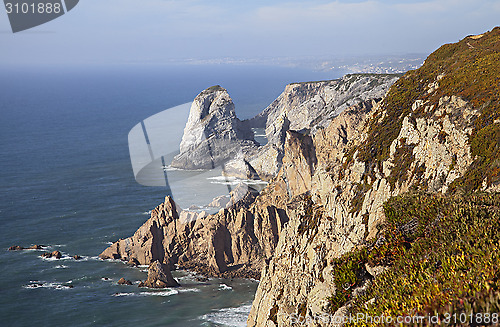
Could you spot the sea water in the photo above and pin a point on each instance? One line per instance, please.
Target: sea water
(66, 182)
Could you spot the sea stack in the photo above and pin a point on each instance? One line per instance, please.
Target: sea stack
(213, 133)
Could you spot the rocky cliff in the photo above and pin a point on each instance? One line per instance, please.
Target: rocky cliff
(239, 239)
(309, 106)
(436, 131)
(233, 242)
(312, 104)
(213, 134)
(332, 225)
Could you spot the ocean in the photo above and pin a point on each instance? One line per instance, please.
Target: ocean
(66, 182)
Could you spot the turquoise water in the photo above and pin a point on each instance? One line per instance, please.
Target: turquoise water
(66, 182)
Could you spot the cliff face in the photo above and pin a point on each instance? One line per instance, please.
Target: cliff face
(309, 106)
(436, 131)
(347, 203)
(233, 242)
(421, 136)
(238, 240)
(213, 134)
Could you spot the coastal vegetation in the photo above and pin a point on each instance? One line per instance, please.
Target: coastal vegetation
(441, 253)
(469, 69)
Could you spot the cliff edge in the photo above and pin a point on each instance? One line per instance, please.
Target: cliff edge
(365, 247)
(391, 204)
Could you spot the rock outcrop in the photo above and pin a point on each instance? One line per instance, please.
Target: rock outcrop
(345, 206)
(313, 104)
(159, 276)
(55, 254)
(325, 198)
(213, 133)
(19, 248)
(421, 136)
(123, 281)
(308, 107)
(233, 242)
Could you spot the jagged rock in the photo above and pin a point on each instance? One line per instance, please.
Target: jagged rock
(159, 276)
(213, 134)
(132, 262)
(313, 104)
(242, 194)
(343, 201)
(145, 245)
(76, 257)
(299, 162)
(123, 281)
(267, 161)
(187, 216)
(220, 202)
(55, 254)
(232, 243)
(324, 199)
(277, 128)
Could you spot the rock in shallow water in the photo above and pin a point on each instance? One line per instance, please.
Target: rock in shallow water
(123, 281)
(159, 276)
(55, 254)
(18, 248)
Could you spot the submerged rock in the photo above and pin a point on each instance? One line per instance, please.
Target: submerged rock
(19, 248)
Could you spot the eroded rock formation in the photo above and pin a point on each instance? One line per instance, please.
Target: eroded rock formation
(159, 276)
(233, 242)
(327, 189)
(370, 152)
(213, 133)
(308, 107)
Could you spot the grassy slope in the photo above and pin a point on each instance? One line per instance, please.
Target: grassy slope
(443, 251)
(471, 70)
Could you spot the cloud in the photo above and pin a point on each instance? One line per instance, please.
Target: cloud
(125, 30)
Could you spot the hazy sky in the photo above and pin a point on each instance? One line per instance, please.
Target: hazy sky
(123, 31)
